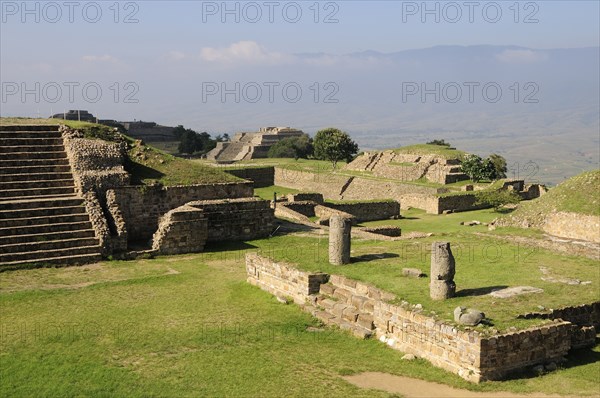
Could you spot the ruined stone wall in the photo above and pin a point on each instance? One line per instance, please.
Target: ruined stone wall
(363, 309)
(302, 196)
(142, 207)
(116, 223)
(181, 230)
(429, 203)
(369, 211)
(96, 164)
(261, 177)
(573, 225)
(306, 208)
(511, 352)
(99, 222)
(282, 280)
(236, 219)
(336, 187)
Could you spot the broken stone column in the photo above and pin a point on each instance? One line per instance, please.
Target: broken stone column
(442, 284)
(339, 240)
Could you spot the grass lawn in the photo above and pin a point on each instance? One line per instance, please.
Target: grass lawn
(267, 192)
(482, 264)
(191, 326)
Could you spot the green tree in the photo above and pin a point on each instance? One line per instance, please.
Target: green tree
(178, 132)
(438, 142)
(477, 168)
(497, 198)
(190, 142)
(334, 145)
(292, 147)
(499, 163)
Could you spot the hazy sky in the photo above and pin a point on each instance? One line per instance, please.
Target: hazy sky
(158, 44)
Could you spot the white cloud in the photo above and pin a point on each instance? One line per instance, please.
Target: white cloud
(520, 56)
(243, 52)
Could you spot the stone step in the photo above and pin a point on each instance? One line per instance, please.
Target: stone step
(48, 245)
(28, 156)
(30, 127)
(31, 142)
(43, 229)
(29, 134)
(25, 176)
(39, 212)
(33, 193)
(31, 148)
(28, 184)
(38, 254)
(43, 202)
(48, 168)
(32, 238)
(61, 260)
(43, 220)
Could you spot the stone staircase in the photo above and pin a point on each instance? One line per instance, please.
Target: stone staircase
(43, 221)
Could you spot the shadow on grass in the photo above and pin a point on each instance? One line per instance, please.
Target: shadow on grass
(576, 357)
(140, 172)
(482, 291)
(372, 257)
(218, 247)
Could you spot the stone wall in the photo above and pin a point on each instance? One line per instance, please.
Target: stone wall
(281, 280)
(364, 310)
(369, 211)
(306, 208)
(99, 222)
(142, 207)
(508, 353)
(97, 165)
(236, 219)
(181, 230)
(573, 225)
(260, 176)
(303, 196)
(338, 187)
(116, 223)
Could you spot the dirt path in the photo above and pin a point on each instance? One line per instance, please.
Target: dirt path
(415, 388)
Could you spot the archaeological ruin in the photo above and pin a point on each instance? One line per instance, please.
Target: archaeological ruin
(70, 198)
(251, 145)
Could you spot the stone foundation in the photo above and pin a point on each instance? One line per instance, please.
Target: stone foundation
(364, 310)
(142, 207)
(260, 176)
(181, 230)
(236, 219)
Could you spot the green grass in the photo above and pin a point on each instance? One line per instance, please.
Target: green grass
(578, 194)
(192, 326)
(146, 164)
(427, 149)
(149, 165)
(267, 192)
(482, 263)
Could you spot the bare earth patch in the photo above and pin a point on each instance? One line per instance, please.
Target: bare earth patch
(415, 388)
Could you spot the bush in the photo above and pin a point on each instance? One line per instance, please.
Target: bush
(292, 147)
(497, 198)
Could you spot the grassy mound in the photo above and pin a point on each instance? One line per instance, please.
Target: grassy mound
(146, 164)
(578, 194)
(428, 149)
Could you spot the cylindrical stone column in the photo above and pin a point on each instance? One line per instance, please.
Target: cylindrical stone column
(339, 240)
(442, 284)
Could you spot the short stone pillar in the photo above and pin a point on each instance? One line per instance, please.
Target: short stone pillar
(442, 284)
(339, 240)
